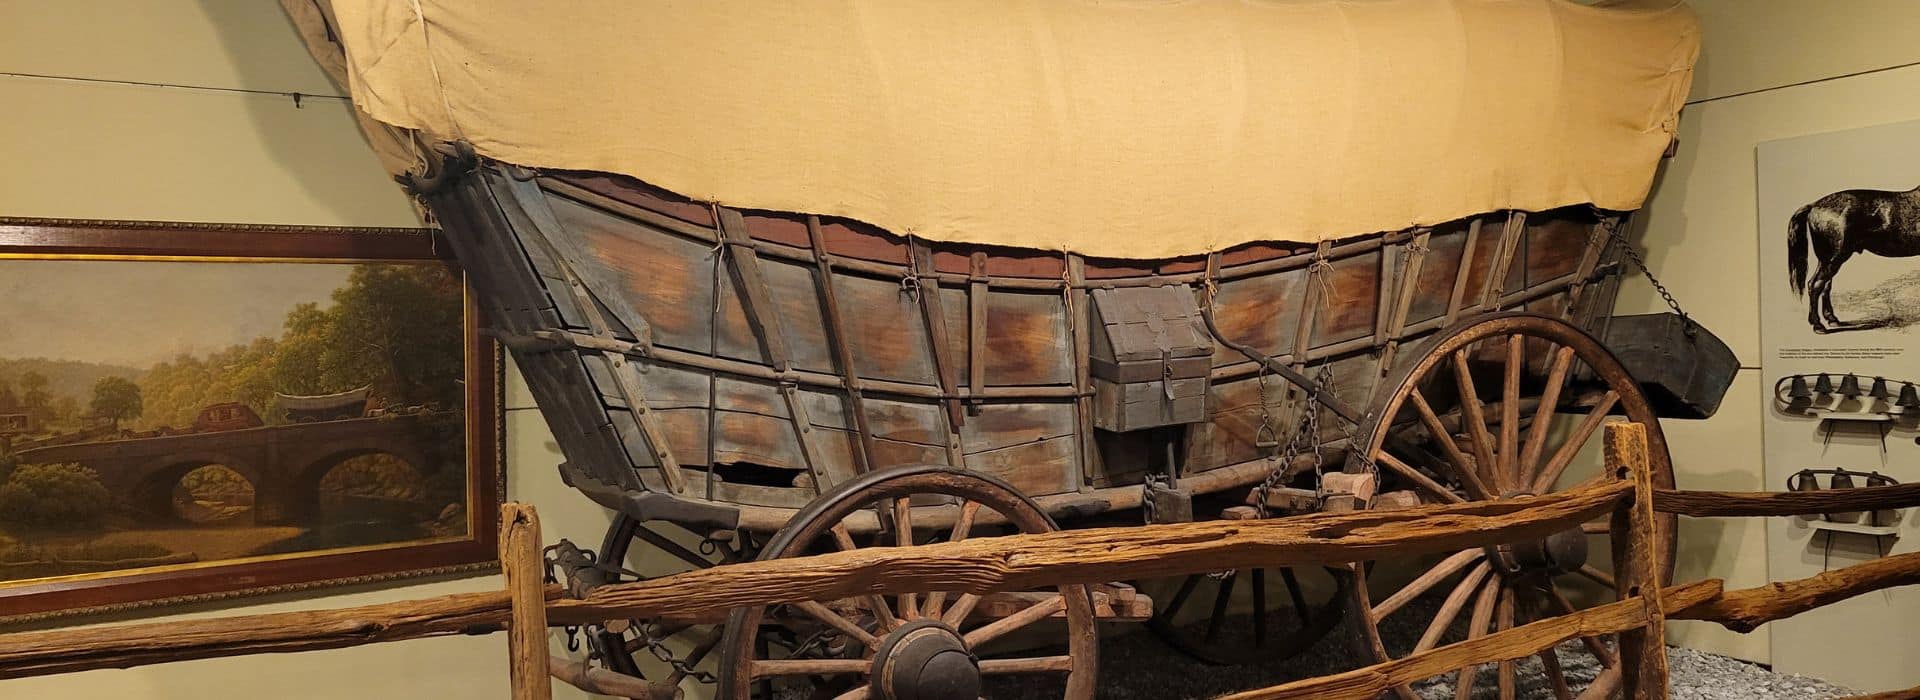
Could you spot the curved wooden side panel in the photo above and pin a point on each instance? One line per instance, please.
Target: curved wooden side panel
(754, 358)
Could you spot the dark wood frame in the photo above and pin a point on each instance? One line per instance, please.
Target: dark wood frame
(161, 240)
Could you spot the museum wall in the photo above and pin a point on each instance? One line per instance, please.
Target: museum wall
(1701, 233)
(114, 151)
(90, 150)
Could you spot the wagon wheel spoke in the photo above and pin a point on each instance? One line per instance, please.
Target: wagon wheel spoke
(1027, 616)
(903, 537)
(1298, 600)
(1603, 685)
(1594, 574)
(1450, 609)
(1414, 475)
(1595, 645)
(1537, 434)
(1426, 581)
(1221, 597)
(835, 620)
(1259, 586)
(769, 668)
(1036, 664)
(962, 527)
(820, 665)
(1476, 628)
(1563, 457)
(1463, 466)
(877, 603)
(1508, 476)
(1473, 417)
(1515, 443)
(1504, 671)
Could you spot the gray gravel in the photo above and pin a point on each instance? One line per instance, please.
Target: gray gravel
(1134, 665)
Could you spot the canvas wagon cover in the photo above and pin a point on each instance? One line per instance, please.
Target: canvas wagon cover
(1130, 128)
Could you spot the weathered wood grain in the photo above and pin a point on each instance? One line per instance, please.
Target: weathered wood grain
(600, 681)
(47, 652)
(1093, 555)
(527, 655)
(974, 565)
(1517, 643)
(1746, 609)
(1637, 564)
(1721, 504)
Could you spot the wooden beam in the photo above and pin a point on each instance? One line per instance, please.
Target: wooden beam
(981, 565)
(40, 653)
(973, 565)
(1718, 504)
(527, 656)
(1517, 643)
(842, 345)
(1746, 609)
(600, 681)
(1637, 563)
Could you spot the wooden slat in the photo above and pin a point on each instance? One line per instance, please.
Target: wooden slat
(527, 656)
(534, 202)
(1079, 312)
(977, 322)
(1461, 273)
(842, 346)
(1638, 560)
(928, 291)
(1415, 260)
(1519, 642)
(764, 318)
(1510, 236)
(1704, 504)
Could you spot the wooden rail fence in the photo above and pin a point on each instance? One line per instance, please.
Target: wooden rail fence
(983, 565)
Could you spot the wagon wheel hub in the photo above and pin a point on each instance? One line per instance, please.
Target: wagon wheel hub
(1563, 552)
(925, 660)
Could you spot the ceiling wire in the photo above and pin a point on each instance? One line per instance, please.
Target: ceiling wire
(1814, 81)
(297, 97)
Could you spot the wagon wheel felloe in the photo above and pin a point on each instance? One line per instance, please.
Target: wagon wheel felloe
(668, 653)
(925, 645)
(1502, 406)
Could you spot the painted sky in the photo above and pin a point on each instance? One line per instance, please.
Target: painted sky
(139, 313)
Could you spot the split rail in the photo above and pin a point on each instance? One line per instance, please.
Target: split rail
(989, 564)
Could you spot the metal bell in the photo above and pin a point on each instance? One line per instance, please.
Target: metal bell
(1823, 385)
(1879, 390)
(1805, 480)
(1909, 397)
(1850, 386)
(1841, 480)
(1797, 389)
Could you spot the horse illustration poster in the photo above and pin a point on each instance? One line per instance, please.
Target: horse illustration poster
(238, 417)
(1839, 234)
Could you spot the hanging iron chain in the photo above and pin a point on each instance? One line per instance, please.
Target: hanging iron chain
(1284, 452)
(658, 647)
(1612, 227)
(565, 555)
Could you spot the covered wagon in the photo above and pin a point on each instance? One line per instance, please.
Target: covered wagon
(795, 277)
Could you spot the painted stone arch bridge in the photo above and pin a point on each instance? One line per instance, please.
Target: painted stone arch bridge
(284, 463)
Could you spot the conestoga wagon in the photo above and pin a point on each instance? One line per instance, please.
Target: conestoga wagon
(807, 298)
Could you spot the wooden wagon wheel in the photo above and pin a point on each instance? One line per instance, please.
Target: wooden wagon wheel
(679, 651)
(1473, 418)
(1225, 619)
(930, 645)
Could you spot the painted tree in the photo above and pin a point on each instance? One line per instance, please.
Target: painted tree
(115, 399)
(34, 397)
(54, 497)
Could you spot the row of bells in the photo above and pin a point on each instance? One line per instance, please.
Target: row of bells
(1850, 387)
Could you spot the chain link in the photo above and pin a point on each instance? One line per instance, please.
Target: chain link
(658, 647)
(1612, 227)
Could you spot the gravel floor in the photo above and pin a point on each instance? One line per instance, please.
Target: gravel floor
(1134, 665)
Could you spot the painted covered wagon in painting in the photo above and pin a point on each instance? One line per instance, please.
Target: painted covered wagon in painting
(874, 274)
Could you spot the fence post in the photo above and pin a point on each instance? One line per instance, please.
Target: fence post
(1637, 564)
(527, 654)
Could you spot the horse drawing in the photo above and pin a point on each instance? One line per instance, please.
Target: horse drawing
(1835, 227)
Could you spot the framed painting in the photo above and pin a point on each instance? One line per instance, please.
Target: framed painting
(198, 411)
